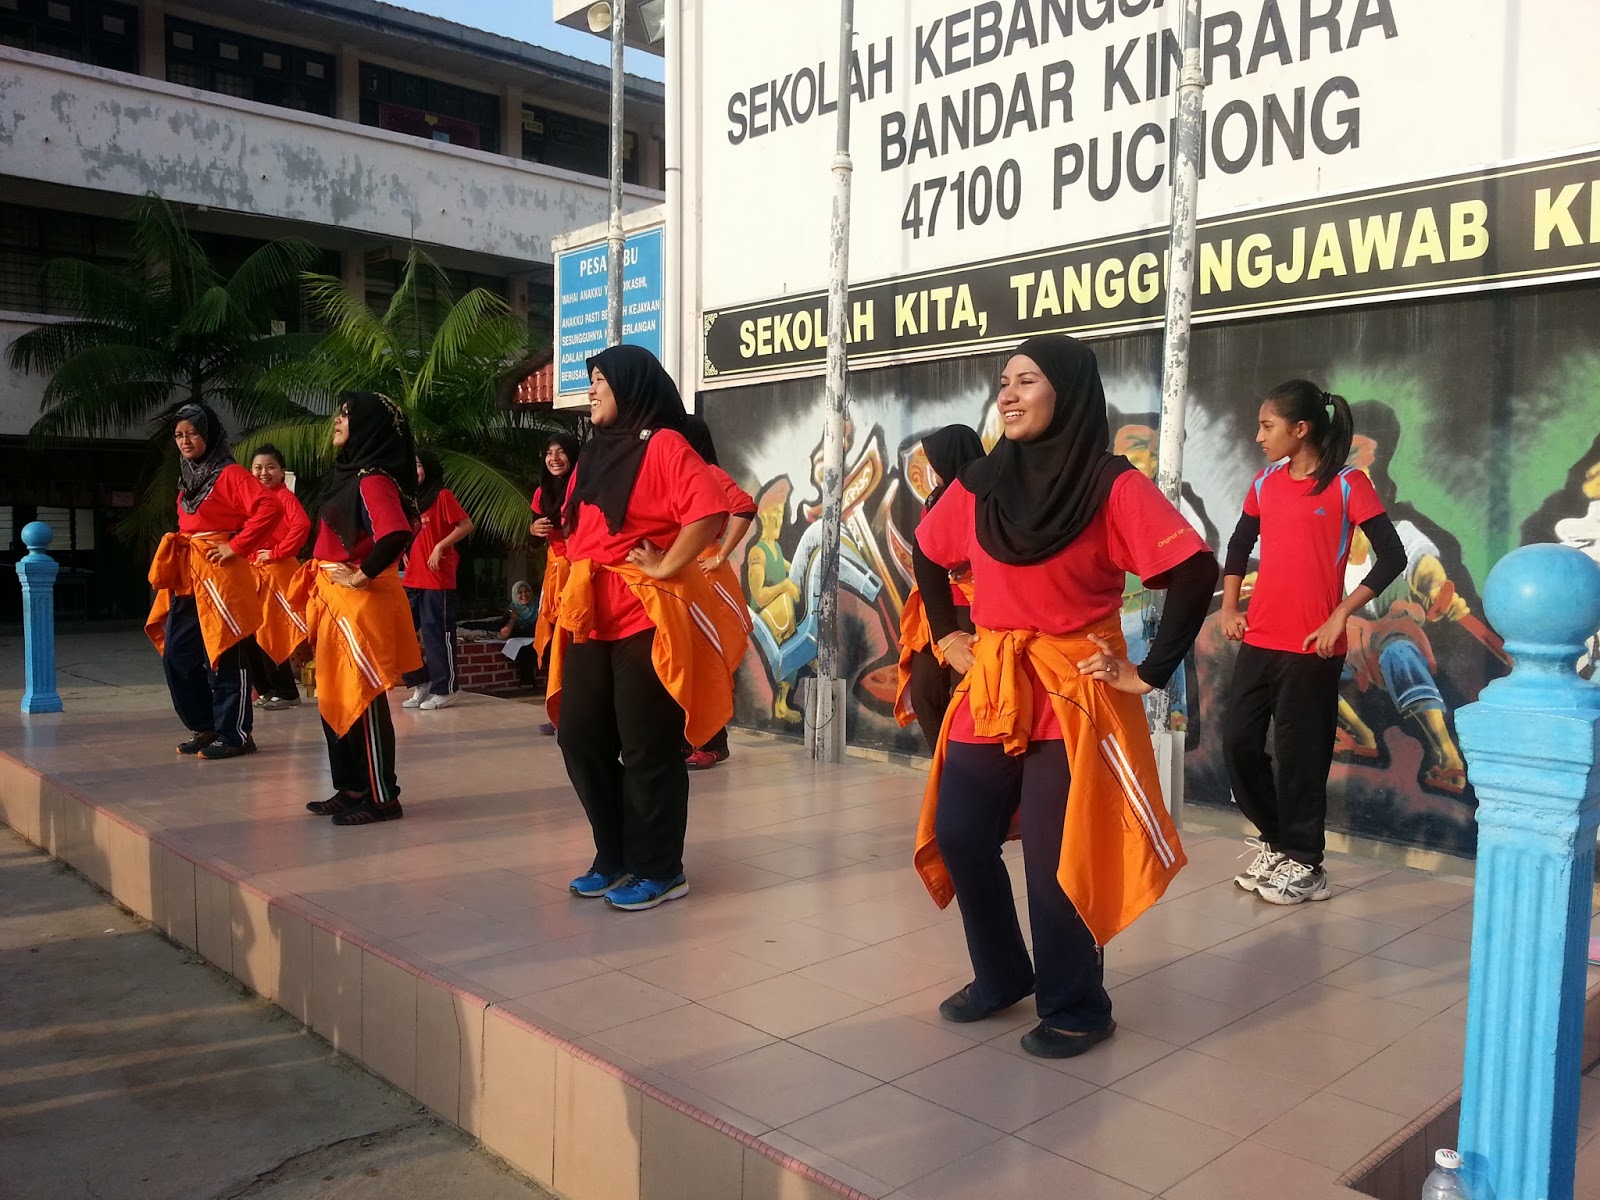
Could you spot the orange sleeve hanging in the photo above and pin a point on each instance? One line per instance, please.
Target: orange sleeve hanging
(283, 627)
(695, 630)
(363, 639)
(1119, 848)
(226, 595)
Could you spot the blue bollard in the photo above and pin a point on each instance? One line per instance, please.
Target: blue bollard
(1530, 744)
(37, 571)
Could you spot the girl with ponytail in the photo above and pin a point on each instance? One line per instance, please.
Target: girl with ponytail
(1302, 509)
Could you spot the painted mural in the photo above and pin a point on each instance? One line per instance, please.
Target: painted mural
(1478, 420)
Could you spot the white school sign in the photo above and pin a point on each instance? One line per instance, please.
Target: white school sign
(1011, 163)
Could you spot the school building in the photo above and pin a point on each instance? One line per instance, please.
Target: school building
(361, 127)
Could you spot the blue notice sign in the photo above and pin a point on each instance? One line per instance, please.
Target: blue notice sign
(581, 304)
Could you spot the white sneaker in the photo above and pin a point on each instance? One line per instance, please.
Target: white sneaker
(1295, 883)
(1255, 876)
(419, 695)
(444, 701)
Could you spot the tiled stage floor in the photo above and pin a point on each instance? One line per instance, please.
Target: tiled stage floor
(1262, 1051)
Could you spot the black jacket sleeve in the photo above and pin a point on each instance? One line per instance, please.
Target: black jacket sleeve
(933, 581)
(1190, 586)
(1388, 553)
(384, 551)
(1242, 544)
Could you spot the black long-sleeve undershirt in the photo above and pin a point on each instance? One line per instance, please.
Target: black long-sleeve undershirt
(933, 581)
(1388, 552)
(384, 552)
(1189, 587)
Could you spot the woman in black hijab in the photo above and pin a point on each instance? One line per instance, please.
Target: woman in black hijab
(207, 607)
(357, 619)
(637, 666)
(555, 474)
(549, 499)
(1046, 734)
(925, 682)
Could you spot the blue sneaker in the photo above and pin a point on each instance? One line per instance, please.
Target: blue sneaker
(638, 894)
(595, 883)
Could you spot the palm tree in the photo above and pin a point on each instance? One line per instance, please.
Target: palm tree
(440, 358)
(165, 330)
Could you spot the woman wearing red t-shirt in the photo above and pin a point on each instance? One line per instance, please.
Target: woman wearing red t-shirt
(1303, 509)
(430, 579)
(1046, 732)
(714, 562)
(555, 476)
(357, 618)
(924, 681)
(637, 664)
(282, 629)
(207, 606)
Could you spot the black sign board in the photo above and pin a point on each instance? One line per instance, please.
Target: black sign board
(1497, 227)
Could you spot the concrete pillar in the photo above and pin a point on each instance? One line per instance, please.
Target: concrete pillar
(347, 91)
(153, 39)
(650, 157)
(517, 286)
(1530, 743)
(353, 272)
(37, 572)
(511, 122)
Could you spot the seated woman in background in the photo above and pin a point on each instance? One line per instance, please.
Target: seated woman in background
(522, 618)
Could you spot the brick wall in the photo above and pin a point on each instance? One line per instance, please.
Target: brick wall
(481, 667)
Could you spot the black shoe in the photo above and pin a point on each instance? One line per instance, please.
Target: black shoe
(197, 743)
(1043, 1042)
(335, 804)
(368, 813)
(962, 1009)
(228, 749)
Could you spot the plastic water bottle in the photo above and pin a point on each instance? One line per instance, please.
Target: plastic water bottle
(1444, 1181)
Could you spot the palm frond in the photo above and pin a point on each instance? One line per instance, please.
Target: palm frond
(497, 501)
(164, 253)
(478, 340)
(268, 272)
(306, 443)
(47, 348)
(94, 293)
(103, 391)
(212, 314)
(352, 326)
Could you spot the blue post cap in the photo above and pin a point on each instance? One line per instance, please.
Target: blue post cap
(36, 535)
(1544, 596)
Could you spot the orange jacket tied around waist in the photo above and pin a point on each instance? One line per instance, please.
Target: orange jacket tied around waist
(914, 636)
(696, 631)
(724, 583)
(556, 569)
(1119, 849)
(283, 627)
(226, 595)
(363, 639)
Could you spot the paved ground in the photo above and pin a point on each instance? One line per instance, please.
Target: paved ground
(131, 1070)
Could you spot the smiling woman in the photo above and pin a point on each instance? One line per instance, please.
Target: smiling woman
(1050, 524)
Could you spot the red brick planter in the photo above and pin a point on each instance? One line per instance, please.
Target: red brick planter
(481, 667)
